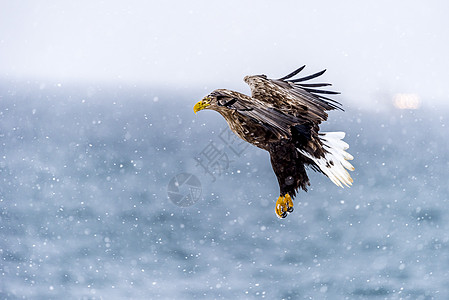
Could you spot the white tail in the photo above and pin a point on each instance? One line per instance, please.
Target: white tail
(335, 162)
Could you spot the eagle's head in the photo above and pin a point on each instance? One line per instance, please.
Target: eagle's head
(216, 100)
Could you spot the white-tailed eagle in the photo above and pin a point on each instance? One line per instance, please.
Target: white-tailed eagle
(283, 116)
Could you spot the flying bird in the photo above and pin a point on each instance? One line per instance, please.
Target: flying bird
(282, 116)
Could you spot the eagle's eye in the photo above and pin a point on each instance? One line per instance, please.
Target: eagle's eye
(207, 100)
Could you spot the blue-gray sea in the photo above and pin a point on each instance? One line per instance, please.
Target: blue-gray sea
(85, 214)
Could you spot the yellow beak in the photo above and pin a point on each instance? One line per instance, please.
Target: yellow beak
(199, 106)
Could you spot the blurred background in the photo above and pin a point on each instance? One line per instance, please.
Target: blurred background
(96, 120)
(371, 48)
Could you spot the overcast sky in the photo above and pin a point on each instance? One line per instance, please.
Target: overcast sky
(370, 48)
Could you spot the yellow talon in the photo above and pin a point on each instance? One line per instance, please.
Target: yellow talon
(280, 208)
(284, 205)
(289, 203)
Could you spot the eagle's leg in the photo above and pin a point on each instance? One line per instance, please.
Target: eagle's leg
(284, 206)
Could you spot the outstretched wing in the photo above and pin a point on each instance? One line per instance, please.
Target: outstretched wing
(293, 96)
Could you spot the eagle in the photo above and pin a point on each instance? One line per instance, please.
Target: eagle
(282, 116)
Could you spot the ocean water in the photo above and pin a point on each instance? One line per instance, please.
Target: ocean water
(85, 177)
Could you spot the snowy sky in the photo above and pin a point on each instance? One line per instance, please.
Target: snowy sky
(370, 48)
